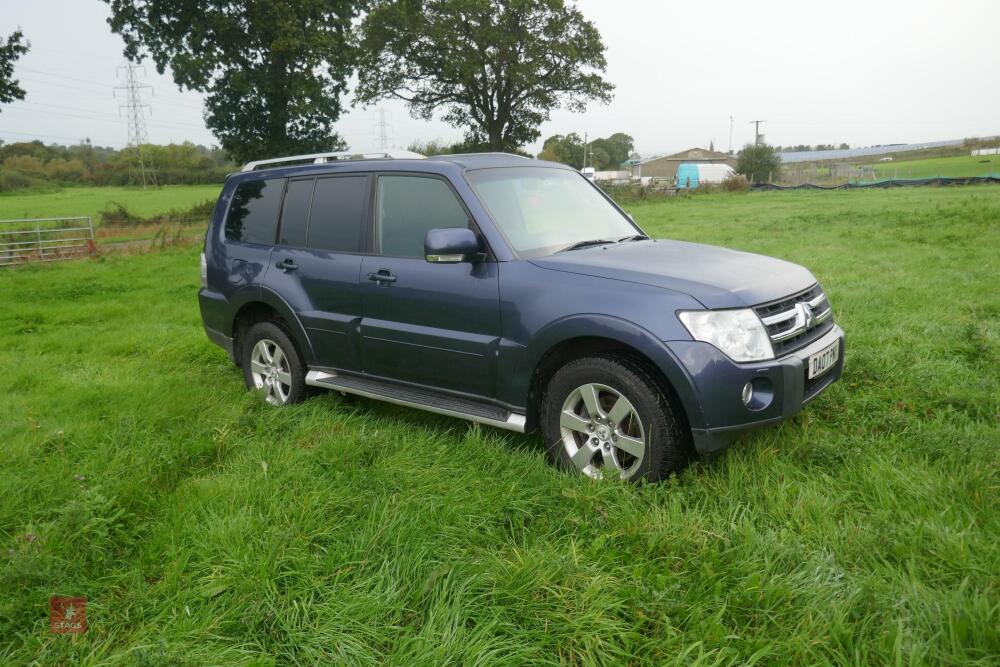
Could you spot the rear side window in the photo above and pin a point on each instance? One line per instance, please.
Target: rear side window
(410, 206)
(338, 209)
(295, 213)
(253, 213)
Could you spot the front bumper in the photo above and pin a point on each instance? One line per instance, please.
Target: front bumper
(718, 382)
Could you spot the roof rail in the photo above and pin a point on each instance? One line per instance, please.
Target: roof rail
(321, 158)
(447, 155)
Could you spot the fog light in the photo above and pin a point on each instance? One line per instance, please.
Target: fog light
(747, 393)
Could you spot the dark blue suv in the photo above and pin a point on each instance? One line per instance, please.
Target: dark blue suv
(510, 292)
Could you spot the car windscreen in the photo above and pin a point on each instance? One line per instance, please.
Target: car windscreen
(541, 210)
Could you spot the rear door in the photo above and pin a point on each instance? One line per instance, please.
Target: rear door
(432, 324)
(251, 223)
(317, 262)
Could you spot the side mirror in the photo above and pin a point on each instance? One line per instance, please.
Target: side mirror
(450, 246)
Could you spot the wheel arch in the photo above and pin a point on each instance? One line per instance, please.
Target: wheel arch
(268, 306)
(610, 336)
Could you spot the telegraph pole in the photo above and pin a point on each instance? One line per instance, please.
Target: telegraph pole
(382, 129)
(141, 170)
(730, 134)
(756, 131)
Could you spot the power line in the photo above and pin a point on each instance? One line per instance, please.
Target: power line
(142, 166)
(107, 118)
(103, 91)
(61, 76)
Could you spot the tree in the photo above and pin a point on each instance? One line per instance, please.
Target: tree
(432, 147)
(10, 51)
(565, 148)
(497, 68)
(274, 71)
(606, 153)
(611, 152)
(759, 163)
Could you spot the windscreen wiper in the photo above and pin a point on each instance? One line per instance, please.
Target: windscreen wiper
(584, 244)
(634, 237)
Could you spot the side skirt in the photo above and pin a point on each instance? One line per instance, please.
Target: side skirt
(423, 399)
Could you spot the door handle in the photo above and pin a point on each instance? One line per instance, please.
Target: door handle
(287, 265)
(382, 276)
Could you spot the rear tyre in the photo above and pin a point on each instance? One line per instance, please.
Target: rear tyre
(272, 365)
(606, 415)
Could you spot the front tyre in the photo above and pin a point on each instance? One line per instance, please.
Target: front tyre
(605, 415)
(272, 365)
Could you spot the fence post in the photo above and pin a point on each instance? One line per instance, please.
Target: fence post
(38, 234)
(91, 246)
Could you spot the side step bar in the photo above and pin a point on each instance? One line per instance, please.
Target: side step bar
(422, 399)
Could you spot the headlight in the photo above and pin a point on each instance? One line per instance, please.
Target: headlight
(738, 333)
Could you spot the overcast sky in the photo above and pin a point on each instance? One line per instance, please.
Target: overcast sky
(858, 72)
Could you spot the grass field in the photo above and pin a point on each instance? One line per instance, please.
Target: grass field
(205, 528)
(90, 201)
(966, 165)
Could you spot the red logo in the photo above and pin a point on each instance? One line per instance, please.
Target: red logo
(67, 615)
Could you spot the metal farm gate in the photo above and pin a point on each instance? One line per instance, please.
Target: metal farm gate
(45, 239)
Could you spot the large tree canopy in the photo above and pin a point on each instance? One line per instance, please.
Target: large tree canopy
(274, 71)
(10, 50)
(496, 67)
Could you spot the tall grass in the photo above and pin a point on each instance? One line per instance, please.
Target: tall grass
(207, 528)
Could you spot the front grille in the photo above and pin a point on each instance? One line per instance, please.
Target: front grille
(797, 320)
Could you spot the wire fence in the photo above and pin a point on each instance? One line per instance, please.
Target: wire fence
(884, 183)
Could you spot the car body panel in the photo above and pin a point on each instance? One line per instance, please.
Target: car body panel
(324, 294)
(436, 324)
(716, 277)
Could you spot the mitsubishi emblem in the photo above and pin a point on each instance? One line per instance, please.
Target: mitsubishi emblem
(804, 318)
(807, 312)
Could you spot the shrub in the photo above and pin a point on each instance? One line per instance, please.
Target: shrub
(12, 179)
(117, 213)
(735, 183)
(66, 170)
(27, 164)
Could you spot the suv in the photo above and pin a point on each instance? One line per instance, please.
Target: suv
(511, 292)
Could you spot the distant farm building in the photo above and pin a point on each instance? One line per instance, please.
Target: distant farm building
(692, 175)
(613, 176)
(666, 166)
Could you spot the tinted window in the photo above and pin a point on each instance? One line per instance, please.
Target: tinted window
(337, 215)
(407, 208)
(295, 213)
(253, 213)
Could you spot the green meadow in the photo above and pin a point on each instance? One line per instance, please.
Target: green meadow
(965, 165)
(90, 201)
(204, 527)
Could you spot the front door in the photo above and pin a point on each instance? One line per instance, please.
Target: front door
(432, 324)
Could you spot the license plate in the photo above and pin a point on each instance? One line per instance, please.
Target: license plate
(823, 360)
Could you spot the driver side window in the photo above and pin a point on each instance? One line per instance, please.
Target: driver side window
(407, 207)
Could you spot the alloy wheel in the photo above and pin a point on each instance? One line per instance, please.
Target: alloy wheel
(602, 432)
(270, 371)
